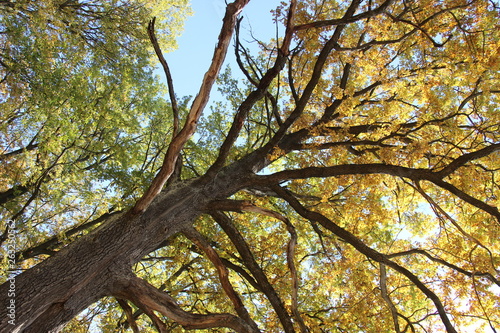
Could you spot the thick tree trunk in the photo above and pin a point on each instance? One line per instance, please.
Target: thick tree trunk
(48, 295)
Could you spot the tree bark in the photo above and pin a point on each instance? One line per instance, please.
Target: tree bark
(48, 295)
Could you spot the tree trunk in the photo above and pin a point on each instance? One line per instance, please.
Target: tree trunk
(48, 295)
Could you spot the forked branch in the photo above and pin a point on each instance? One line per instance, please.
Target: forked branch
(199, 103)
(260, 91)
(466, 158)
(415, 174)
(129, 314)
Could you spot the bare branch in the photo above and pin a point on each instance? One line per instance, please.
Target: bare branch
(199, 103)
(289, 28)
(166, 69)
(387, 299)
(254, 96)
(290, 258)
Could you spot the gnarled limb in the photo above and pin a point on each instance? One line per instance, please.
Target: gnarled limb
(149, 299)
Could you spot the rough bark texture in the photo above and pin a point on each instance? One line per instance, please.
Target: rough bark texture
(100, 264)
(53, 292)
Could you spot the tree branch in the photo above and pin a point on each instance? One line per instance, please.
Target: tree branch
(243, 205)
(447, 264)
(149, 298)
(30, 146)
(367, 251)
(199, 103)
(374, 168)
(345, 20)
(48, 246)
(166, 69)
(200, 241)
(465, 158)
(290, 259)
(387, 299)
(249, 261)
(13, 192)
(468, 198)
(440, 211)
(345, 169)
(129, 314)
(312, 83)
(255, 95)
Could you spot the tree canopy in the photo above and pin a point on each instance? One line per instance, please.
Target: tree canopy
(81, 109)
(348, 181)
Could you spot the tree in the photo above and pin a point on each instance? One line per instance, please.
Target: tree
(348, 183)
(77, 114)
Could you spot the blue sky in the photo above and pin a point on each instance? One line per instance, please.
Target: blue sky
(196, 45)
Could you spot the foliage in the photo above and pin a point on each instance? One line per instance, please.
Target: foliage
(83, 115)
(366, 143)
